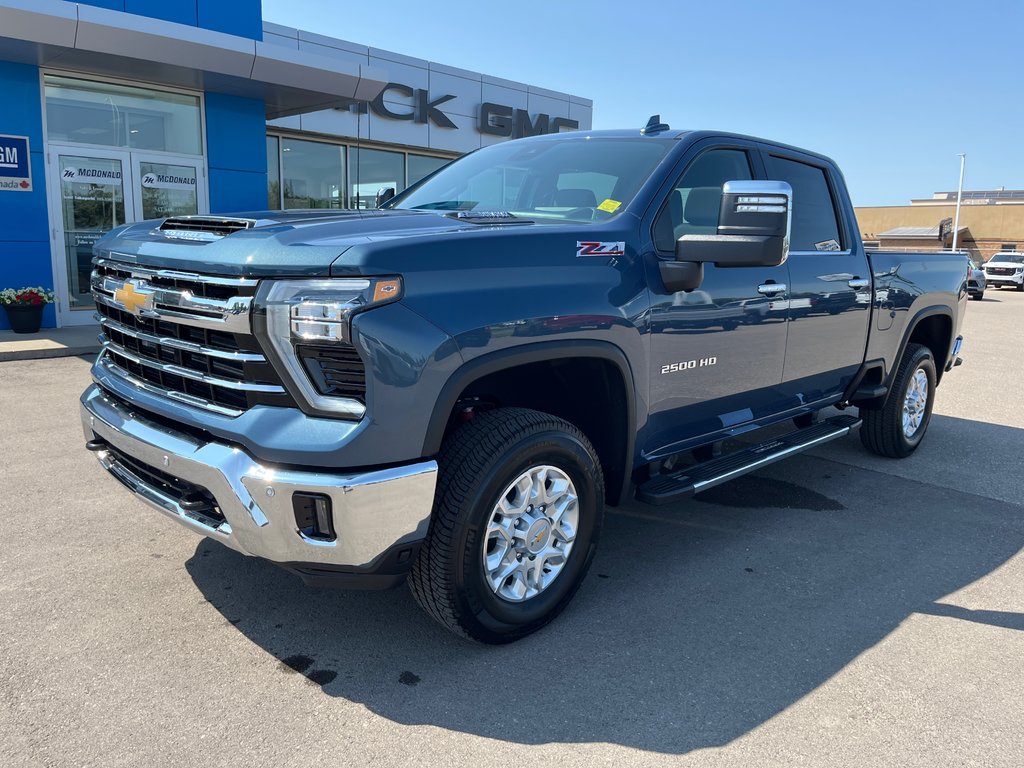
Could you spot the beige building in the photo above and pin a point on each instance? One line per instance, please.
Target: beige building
(984, 229)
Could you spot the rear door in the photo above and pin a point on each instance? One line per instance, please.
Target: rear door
(829, 276)
(717, 352)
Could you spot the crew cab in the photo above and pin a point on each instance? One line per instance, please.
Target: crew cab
(450, 389)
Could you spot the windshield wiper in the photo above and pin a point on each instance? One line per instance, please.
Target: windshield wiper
(446, 205)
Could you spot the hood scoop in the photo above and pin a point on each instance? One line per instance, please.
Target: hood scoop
(203, 228)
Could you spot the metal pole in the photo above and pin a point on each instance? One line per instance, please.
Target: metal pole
(959, 194)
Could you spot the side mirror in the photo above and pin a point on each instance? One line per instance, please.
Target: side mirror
(383, 195)
(754, 221)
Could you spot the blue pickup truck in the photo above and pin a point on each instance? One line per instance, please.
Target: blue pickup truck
(450, 388)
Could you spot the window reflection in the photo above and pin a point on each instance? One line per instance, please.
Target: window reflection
(374, 169)
(113, 115)
(314, 174)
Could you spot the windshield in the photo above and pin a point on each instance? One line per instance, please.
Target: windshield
(1013, 258)
(567, 179)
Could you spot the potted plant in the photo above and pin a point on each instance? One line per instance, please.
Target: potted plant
(24, 307)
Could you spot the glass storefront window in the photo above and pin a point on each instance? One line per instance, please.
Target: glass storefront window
(113, 115)
(374, 169)
(273, 174)
(314, 174)
(168, 190)
(424, 165)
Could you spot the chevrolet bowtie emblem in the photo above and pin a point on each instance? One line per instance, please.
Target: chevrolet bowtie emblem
(134, 297)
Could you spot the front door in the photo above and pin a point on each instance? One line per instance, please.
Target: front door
(95, 190)
(717, 352)
(91, 194)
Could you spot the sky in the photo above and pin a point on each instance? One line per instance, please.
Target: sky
(892, 91)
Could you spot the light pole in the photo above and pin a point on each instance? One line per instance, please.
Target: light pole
(959, 194)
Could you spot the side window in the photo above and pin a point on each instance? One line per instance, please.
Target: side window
(815, 226)
(692, 206)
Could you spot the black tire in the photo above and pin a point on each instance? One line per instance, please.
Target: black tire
(1020, 287)
(882, 431)
(476, 464)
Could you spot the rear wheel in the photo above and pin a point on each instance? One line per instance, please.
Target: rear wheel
(517, 515)
(896, 429)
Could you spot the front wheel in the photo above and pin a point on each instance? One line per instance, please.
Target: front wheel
(517, 515)
(897, 428)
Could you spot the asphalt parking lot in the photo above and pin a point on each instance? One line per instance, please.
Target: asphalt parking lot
(835, 610)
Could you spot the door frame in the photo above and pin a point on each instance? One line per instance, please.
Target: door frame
(165, 158)
(58, 258)
(66, 316)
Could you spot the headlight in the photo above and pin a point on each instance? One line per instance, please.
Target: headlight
(318, 312)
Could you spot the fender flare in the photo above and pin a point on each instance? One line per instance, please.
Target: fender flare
(922, 314)
(525, 354)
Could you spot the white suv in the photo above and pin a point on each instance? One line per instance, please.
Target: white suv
(1005, 268)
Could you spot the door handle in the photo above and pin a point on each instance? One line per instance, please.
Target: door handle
(770, 289)
(858, 283)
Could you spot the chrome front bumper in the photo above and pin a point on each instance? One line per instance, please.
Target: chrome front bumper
(373, 511)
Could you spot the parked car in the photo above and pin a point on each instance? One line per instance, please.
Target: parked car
(339, 392)
(1005, 269)
(976, 281)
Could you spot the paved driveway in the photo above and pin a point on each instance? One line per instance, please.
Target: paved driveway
(835, 610)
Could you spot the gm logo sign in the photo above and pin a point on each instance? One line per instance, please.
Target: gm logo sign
(15, 164)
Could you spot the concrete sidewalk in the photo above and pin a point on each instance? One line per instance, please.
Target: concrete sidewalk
(49, 342)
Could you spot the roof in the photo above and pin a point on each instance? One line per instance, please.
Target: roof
(88, 39)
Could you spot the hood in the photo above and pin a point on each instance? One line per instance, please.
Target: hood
(995, 261)
(277, 243)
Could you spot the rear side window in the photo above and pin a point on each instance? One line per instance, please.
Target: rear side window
(815, 225)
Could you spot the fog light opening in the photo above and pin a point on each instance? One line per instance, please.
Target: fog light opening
(313, 516)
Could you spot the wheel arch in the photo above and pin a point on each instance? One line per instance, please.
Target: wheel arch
(933, 327)
(615, 449)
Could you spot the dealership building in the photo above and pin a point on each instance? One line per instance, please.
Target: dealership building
(123, 110)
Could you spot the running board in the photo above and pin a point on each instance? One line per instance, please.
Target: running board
(664, 489)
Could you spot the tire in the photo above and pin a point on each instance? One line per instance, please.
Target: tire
(479, 465)
(1020, 287)
(978, 296)
(883, 431)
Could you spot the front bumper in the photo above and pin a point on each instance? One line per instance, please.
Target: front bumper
(378, 515)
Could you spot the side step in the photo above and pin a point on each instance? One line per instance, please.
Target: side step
(664, 489)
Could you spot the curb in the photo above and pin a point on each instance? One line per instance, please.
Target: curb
(47, 353)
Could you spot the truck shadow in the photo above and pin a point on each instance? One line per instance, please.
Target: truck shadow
(697, 623)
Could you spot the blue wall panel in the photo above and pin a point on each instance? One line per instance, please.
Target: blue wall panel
(23, 214)
(181, 11)
(236, 17)
(114, 5)
(236, 153)
(236, 133)
(237, 191)
(24, 226)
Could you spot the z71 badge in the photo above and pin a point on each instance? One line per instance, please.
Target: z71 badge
(593, 248)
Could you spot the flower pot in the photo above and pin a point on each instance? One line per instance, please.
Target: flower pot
(24, 318)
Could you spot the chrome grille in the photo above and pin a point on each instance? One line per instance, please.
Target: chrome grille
(191, 341)
(999, 270)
